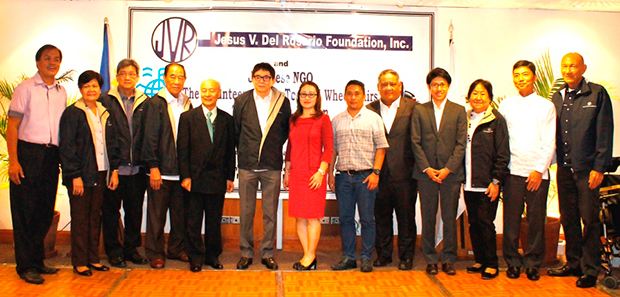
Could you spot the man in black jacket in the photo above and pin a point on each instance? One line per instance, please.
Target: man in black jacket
(159, 153)
(206, 147)
(584, 140)
(125, 104)
(397, 188)
(261, 128)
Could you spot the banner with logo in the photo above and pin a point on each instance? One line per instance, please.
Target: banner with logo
(329, 47)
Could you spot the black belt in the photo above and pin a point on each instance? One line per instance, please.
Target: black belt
(354, 172)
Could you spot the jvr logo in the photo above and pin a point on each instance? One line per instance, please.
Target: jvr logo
(174, 40)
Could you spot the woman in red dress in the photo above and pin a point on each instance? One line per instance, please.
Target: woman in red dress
(308, 153)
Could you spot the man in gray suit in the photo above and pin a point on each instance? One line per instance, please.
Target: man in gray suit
(397, 188)
(438, 137)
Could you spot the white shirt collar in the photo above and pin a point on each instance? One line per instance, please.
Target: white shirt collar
(205, 110)
(441, 106)
(394, 104)
(173, 100)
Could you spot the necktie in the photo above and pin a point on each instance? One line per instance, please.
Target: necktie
(210, 125)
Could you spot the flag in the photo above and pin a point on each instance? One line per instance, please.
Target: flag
(106, 69)
(455, 96)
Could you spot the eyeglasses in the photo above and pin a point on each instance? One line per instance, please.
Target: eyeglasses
(131, 74)
(307, 95)
(265, 78)
(439, 85)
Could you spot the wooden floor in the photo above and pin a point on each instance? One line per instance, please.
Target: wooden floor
(139, 282)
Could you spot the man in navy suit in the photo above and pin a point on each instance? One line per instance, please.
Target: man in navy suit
(206, 148)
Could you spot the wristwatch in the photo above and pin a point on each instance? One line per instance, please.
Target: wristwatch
(496, 182)
(376, 171)
(321, 171)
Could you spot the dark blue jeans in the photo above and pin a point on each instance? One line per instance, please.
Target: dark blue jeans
(351, 190)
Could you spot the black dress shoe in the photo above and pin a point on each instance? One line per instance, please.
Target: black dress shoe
(532, 274)
(487, 275)
(98, 268)
(475, 269)
(405, 264)
(136, 258)
(586, 281)
(86, 272)
(32, 276)
(270, 263)
(432, 269)
(344, 264)
(244, 263)
(47, 270)
(513, 272)
(215, 264)
(448, 268)
(382, 261)
(565, 271)
(195, 267)
(312, 266)
(117, 262)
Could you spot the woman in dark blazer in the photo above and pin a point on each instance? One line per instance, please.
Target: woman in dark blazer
(89, 161)
(486, 164)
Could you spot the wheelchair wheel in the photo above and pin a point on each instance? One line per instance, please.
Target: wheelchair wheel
(611, 281)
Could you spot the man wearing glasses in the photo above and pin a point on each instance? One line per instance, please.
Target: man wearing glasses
(438, 138)
(159, 153)
(261, 119)
(126, 105)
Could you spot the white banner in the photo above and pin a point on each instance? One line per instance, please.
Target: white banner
(329, 47)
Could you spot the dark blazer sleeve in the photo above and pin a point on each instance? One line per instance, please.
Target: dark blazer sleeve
(152, 130)
(502, 149)
(455, 161)
(230, 150)
(416, 139)
(604, 133)
(112, 143)
(70, 155)
(237, 116)
(183, 145)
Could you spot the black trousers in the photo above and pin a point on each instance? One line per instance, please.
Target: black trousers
(515, 196)
(130, 192)
(432, 195)
(86, 222)
(32, 202)
(169, 196)
(211, 205)
(399, 196)
(481, 214)
(579, 203)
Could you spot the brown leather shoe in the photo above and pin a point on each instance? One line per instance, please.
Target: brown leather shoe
(182, 257)
(158, 263)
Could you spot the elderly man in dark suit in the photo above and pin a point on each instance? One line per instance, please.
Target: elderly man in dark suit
(397, 188)
(439, 136)
(206, 148)
(584, 144)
